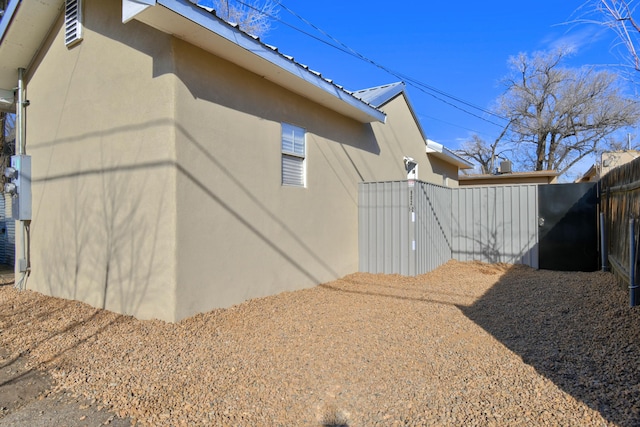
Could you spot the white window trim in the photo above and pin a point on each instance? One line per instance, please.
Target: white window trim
(72, 22)
(298, 156)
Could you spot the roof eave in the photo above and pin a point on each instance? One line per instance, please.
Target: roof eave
(505, 176)
(441, 152)
(194, 24)
(23, 28)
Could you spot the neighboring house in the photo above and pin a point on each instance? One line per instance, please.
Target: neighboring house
(608, 160)
(511, 178)
(402, 124)
(180, 165)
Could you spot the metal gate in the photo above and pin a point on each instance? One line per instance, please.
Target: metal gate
(568, 227)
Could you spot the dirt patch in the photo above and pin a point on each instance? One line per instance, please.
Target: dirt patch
(467, 344)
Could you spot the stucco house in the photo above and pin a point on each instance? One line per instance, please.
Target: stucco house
(608, 160)
(178, 164)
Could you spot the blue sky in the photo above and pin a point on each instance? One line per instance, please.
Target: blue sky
(459, 48)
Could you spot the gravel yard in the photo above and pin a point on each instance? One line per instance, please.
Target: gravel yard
(467, 344)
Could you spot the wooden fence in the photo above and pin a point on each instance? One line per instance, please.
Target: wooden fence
(620, 207)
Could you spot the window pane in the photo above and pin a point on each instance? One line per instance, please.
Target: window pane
(293, 140)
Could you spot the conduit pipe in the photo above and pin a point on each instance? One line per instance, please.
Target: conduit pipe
(22, 254)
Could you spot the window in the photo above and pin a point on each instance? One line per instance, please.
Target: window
(72, 22)
(293, 155)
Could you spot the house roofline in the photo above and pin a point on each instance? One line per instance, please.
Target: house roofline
(204, 29)
(511, 175)
(440, 151)
(23, 29)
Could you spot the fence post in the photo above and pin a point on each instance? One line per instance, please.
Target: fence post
(632, 263)
(603, 244)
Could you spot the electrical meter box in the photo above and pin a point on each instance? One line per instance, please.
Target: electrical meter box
(18, 185)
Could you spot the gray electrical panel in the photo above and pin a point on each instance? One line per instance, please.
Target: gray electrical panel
(19, 186)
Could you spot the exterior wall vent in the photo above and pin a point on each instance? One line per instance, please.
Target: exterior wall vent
(72, 22)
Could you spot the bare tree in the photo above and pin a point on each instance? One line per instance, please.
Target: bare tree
(252, 16)
(618, 16)
(485, 154)
(560, 115)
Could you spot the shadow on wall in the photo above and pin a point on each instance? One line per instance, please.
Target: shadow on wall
(487, 244)
(105, 249)
(572, 329)
(104, 238)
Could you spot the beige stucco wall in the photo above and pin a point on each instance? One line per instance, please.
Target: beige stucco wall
(401, 136)
(442, 172)
(100, 132)
(242, 234)
(613, 159)
(157, 180)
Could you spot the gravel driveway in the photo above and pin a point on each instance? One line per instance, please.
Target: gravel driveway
(467, 344)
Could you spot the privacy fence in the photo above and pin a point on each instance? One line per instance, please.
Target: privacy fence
(412, 228)
(620, 207)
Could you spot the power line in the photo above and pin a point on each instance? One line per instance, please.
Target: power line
(419, 85)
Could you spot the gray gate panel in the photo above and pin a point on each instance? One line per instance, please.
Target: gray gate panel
(412, 228)
(384, 229)
(433, 226)
(495, 224)
(404, 228)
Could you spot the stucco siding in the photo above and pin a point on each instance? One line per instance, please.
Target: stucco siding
(241, 233)
(157, 175)
(100, 133)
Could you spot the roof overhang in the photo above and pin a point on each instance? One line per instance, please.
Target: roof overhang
(185, 20)
(441, 152)
(547, 174)
(23, 28)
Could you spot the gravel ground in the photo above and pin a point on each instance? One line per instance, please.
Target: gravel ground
(467, 344)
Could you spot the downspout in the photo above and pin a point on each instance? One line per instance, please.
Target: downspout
(21, 264)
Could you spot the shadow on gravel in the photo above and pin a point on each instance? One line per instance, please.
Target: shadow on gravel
(576, 329)
(25, 388)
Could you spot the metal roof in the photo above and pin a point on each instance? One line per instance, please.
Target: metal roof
(200, 26)
(380, 95)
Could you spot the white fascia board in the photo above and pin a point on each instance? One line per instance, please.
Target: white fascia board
(131, 8)
(447, 155)
(434, 147)
(230, 43)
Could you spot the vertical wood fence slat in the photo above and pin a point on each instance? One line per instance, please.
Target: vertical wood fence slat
(620, 202)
